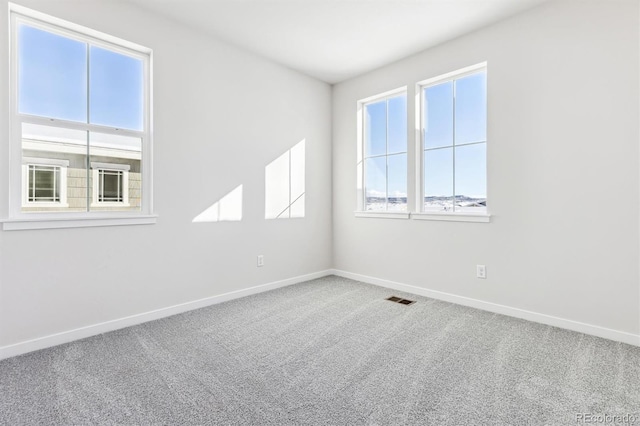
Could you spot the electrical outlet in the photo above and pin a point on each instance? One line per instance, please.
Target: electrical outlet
(260, 260)
(481, 271)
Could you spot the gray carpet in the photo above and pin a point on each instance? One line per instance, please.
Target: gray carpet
(327, 352)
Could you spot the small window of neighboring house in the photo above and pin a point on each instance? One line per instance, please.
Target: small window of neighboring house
(44, 183)
(110, 184)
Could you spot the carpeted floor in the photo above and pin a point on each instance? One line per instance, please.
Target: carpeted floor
(327, 352)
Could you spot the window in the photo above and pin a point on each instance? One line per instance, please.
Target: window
(44, 183)
(111, 185)
(454, 142)
(383, 163)
(450, 154)
(80, 122)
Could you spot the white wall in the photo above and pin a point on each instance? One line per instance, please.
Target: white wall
(562, 170)
(221, 115)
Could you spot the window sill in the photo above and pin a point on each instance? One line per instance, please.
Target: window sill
(75, 222)
(453, 217)
(383, 215)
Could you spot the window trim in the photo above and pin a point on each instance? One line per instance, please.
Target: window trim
(19, 14)
(361, 203)
(420, 213)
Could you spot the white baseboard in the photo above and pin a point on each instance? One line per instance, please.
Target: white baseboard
(594, 330)
(95, 329)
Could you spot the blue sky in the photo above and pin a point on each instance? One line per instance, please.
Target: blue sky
(53, 78)
(470, 126)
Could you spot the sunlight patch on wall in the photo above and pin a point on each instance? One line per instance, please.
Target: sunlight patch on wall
(285, 184)
(228, 208)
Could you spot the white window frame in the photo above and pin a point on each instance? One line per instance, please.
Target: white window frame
(47, 162)
(419, 152)
(361, 203)
(23, 220)
(96, 168)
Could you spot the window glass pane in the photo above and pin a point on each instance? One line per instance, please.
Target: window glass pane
(116, 89)
(110, 186)
(115, 178)
(438, 180)
(438, 115)
(52, 75)
(44, 183)
(375, 132)
(471, 178)
(397, 111)
(375, 170)
(64, 149)
(397, 170)
(471, 109)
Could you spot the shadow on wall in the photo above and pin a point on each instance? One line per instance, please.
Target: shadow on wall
(284, 191)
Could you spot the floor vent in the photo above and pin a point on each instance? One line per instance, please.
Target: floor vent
(401, 300)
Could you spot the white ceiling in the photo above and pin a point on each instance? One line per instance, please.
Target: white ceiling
(334, 40)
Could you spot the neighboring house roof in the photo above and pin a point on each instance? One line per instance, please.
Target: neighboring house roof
(55, 139)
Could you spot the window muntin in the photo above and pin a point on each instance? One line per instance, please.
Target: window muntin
(385, 153)
(77, 94)
(453, 130)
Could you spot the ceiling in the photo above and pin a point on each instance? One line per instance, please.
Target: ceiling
(334, 40)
